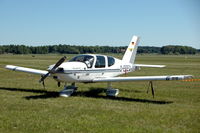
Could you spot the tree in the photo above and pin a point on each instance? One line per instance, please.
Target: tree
(173, 49)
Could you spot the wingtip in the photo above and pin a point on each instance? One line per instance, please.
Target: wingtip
(11, 67)
(188, 76)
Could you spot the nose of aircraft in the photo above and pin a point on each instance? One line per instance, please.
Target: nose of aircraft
(69, 66)
(73, 66)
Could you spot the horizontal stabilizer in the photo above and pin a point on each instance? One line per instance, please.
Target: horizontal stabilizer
(142, 78)
(144, 65)
(27, 70)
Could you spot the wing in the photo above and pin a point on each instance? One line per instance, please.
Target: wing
(27, 70)
(142, 78)
(144, 65)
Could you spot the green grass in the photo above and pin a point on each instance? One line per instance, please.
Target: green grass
(26, 107)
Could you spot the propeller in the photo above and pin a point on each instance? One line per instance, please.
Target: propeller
(152, 89)
(52, 70)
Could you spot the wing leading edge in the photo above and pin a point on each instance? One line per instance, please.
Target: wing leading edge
(142, 78)
(27, 70)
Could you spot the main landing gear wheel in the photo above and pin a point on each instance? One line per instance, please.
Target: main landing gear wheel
(111, 92)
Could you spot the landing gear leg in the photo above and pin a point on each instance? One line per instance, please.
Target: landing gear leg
(152, 88)
(68, 90)
(110, 91)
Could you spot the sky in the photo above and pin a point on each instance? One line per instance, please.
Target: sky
(100, 22)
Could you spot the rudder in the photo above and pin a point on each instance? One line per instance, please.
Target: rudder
(129, 56)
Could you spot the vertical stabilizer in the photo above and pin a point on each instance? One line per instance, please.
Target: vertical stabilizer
(131, 51)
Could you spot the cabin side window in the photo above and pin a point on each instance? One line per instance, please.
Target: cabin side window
(111, 61)
(100, 62)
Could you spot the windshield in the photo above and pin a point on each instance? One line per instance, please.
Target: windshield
(87, 59)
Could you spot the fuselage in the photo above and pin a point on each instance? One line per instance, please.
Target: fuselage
(84, 68)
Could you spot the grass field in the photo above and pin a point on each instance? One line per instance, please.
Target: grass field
(26, 107)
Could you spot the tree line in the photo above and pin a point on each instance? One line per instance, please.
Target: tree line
(73, 49)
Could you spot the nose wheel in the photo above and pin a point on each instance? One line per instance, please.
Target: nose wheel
(68, 90)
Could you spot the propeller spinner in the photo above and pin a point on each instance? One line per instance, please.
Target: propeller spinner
(52, 70)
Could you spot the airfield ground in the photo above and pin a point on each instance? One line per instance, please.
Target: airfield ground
(26, 107)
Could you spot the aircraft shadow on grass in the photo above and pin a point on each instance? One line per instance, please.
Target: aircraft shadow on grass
(92, 92)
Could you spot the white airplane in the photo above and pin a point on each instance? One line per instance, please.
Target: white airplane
(92, 68)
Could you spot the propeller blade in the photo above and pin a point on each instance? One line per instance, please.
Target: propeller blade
(43, 84)
(43, 77)
(58, 84)
(59, 63)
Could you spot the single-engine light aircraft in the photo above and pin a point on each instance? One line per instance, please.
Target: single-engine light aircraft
(92, 68)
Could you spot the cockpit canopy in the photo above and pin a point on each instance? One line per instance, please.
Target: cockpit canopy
(96, 61)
